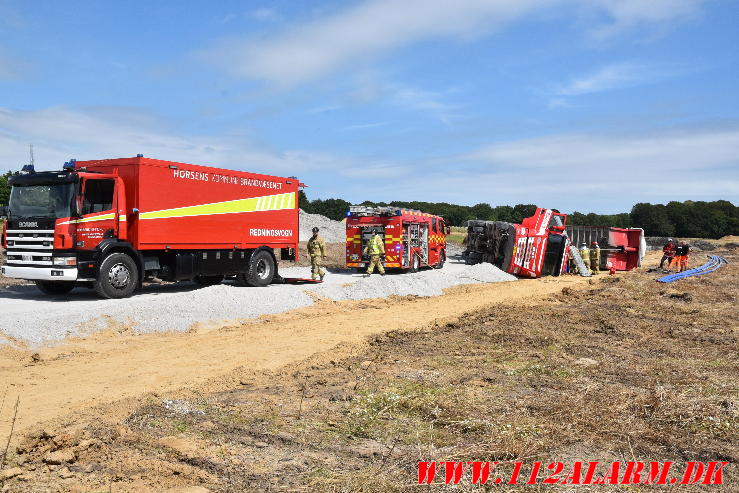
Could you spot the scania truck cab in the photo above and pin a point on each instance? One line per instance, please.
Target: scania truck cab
(42, 236)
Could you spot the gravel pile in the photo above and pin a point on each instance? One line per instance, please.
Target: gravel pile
(424, 283)
(36, 319)
(486, 273)
(332, 231)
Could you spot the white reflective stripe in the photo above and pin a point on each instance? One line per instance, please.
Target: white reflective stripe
(38, 238)
(25, 231)
(31, 262)
(38, 254)
(34, 247)
(90, 219)
(122, 217)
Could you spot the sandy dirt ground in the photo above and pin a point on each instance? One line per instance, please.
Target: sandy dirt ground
(116, 364)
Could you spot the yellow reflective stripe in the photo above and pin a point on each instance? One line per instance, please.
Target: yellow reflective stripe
(102, 217)
(252, 204)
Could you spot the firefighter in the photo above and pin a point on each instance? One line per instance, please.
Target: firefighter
(375, 248)
(595, 257)
(317, 253)
(668, 254)
(682, 255)
(585, 254)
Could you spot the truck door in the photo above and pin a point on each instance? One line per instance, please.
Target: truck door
(98, 217)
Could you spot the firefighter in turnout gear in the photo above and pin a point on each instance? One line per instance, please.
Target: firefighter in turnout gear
(317, 253)
(595, 258)
(375, 249)
(585, 254)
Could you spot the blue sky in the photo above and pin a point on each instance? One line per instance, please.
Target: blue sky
(588, 105)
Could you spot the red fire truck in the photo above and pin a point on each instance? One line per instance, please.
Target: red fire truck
(108, 224)
(413, 239)
(538, 246)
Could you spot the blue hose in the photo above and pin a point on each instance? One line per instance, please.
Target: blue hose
(712, 265)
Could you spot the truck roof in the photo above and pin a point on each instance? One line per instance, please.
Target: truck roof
(144, 161)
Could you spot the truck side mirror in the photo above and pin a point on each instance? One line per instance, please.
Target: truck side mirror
(3, 211)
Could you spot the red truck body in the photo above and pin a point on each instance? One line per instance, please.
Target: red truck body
(538, 246)
(185, 206)
(621, 248)
(175, 221)
(413, 239)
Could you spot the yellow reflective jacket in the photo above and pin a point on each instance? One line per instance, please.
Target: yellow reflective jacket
(316, 247)
(375, 246)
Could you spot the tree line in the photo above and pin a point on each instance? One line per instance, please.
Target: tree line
(690, 219)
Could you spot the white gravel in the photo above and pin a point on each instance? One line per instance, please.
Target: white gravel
(30, 317)
(331, 231)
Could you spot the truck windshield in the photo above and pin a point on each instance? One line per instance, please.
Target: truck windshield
(46, 201)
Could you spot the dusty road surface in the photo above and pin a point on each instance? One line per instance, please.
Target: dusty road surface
(116, 364)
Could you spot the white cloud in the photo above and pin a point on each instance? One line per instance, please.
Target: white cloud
(375, 27)
(616, 76)
(265, 14)
(692, 151)
(61, 133)
(584, 172)
(628, 14)
(361, 126)
(13, 69)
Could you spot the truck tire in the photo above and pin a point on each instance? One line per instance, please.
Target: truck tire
(208, 280)
(55, 287)
(118, 277)
(261, 270)
(442, 259)
(415, 264)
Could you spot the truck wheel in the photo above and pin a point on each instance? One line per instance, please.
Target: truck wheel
(118, 277)
(415, 264)
(55, 287)
(208, 280)
(261, 270)
(442, 259)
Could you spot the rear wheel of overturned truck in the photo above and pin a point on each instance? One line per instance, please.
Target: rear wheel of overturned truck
(118, 276)
(55, 287)
(261, 270)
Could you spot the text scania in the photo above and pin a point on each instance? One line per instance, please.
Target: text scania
(234, 180)
(270, 232)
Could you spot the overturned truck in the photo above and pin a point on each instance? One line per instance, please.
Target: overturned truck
(536, 247)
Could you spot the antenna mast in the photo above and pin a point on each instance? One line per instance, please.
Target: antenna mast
(30, 146)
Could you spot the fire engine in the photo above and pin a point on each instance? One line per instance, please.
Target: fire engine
(538, 246)
(413, 239)
(108, 224)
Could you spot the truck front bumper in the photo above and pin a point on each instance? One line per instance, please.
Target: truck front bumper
(39, 273)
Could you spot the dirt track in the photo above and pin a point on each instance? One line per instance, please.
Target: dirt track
(116, 365)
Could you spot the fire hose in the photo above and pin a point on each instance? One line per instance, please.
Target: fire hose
(712, 265)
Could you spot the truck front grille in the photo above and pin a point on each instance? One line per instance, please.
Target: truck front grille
(29, 247)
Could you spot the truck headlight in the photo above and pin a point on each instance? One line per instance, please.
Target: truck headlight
(64, 261)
